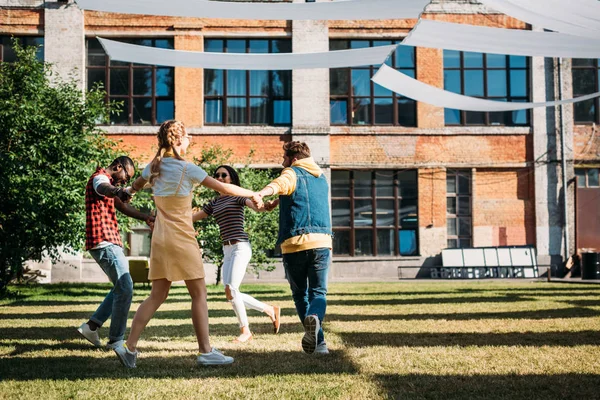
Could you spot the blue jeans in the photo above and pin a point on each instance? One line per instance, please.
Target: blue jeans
(306, 271)
(117, 302)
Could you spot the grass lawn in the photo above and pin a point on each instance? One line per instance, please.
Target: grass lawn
(405, 340)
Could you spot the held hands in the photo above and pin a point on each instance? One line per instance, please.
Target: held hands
(257, 200)
(270, 205)
(150, 221)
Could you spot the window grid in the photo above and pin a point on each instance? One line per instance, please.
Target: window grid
(587, 177)
(270, 98)
(459, 220)
(114, 73)
(585, 112)
(6, 53)
(354, 101)
(464, 115)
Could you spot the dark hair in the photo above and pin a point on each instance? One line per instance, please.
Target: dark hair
(298, 150)
(124, 161)
(235, 179)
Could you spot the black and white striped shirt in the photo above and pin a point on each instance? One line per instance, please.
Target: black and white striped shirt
(229, 213)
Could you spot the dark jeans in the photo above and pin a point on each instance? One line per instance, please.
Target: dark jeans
(306, 271)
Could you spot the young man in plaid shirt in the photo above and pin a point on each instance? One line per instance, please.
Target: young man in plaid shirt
(104, 193)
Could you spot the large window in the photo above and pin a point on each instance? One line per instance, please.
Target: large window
(458, 208)
(237, 97)
(356, 100)
(146, 91)
(587, 177)
(489, 76)
(585, 81)
(374, 213)
(8, 55)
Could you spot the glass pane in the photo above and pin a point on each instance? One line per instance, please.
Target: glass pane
(464, 243)
(584, 62)
(338, 45)
(500, 118)
(236, 111)
(385, 213)
(452, 243)
(359, 44)
(341, 242)
(580, 173)
(451, 117)
(164, 43)
(213, 82)
(363, 243)
(236, 46)
(363, 213)
(338, 81)
(142, 111)
(592, 177)
(165, 78)
(408, 213)
(473, 60)
(464, 226)
(95, 58)
(282, 112)
(165, 110)
(497, 86)
(451, 205)
(474, 118)
(384, 183)
(258, 46)
(381, 91)
(338, 111)
(405, 57)
(518, 83)
(520, 117)
(362, 183)
(452, 81)
(213, 112)
(408, 242)
(142, 81)
(408, 72)
(496, 61)
(584, 81)
(384, 111)
(464, 184)
(361, 114)
(119, 81)
(96, 76)
(407, 112)
(123, 117)
(451, 183)
(258, 111)
(385, 242)
(340, 212)
(407, 181)
(474, 83)
(361, 82)
(259, 83)
(281, 46)
(585, 111)
(213, 45)
(236, 83)
(281, 83)
(464, 205)
(518, 61)
(452, 231)
(340, 183)
(451, 59)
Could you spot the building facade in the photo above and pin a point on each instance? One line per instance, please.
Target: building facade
(407, 179)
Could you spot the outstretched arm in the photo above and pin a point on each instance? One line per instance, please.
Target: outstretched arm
(199, 215)
(134, 213)
(226, 188)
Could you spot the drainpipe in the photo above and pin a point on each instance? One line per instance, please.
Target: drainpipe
(563, 162)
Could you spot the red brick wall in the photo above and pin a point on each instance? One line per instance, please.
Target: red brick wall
(586, 145)
(20, 21)
(432, 198)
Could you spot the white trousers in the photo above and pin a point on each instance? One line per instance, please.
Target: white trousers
(235, 261)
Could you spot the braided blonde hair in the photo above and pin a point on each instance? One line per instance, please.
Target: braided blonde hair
(169, 133)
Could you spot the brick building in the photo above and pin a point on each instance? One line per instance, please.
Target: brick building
(408, 179)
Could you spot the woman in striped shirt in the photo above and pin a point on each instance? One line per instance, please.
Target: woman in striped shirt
(229, 214)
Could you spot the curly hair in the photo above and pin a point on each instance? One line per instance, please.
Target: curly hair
(169, 133)
(297, 150)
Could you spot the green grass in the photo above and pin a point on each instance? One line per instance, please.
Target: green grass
(405, 340)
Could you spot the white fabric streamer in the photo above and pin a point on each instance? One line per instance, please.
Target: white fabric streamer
(335, 10)
(462, 37)
(404, 85)
(573, 17)
(126, 52)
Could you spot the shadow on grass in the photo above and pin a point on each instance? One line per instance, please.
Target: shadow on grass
(247, 364)
(447, 387)
(432, 300)
(535, 339)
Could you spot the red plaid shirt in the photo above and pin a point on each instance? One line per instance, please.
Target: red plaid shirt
(100, 216)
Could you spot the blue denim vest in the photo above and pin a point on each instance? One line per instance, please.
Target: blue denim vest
(307, 209)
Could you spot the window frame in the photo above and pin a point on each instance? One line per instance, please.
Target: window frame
(586, 176)
(596, 69)
(457, 216)
(26, 41)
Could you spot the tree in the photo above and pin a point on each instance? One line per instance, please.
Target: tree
(262, 228)
(50, 146)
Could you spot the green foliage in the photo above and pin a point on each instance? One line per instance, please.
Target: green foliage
(50, 146)
(261, 227)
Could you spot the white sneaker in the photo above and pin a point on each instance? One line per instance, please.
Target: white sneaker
(113, 345)
(322, 348)
(311, 330)
(215, 357)
(90, 335)
(127, 357)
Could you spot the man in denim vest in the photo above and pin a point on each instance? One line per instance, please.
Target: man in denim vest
(305, 237)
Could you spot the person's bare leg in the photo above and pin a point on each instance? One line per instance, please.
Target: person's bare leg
(158, 295)
(197, 290)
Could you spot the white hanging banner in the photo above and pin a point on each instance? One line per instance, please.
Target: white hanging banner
(333, 10)
(446, 35)
(404, 85)
(573, 17)
(126, 52)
